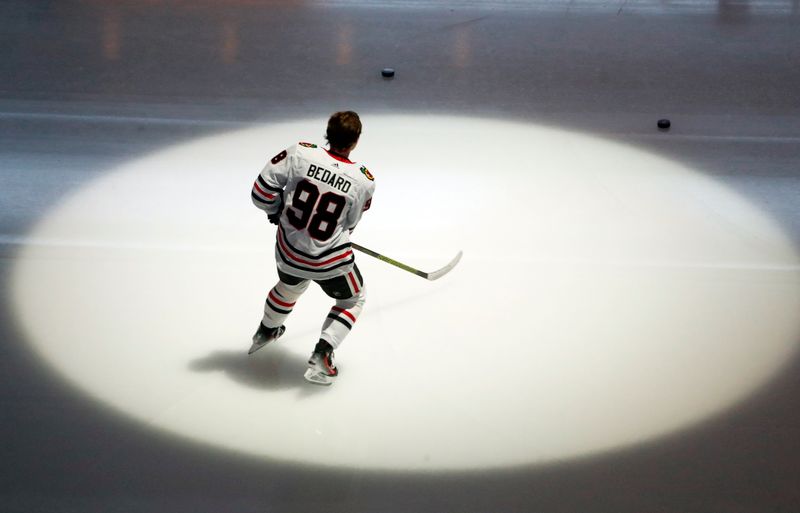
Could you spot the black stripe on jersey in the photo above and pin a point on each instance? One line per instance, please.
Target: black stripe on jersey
(337, 318)
(311, 270)
(269, 304)
(261, 200)
(265, 185)
(313, 257)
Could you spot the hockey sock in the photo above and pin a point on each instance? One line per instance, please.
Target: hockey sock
(342, 318)
(280, 302)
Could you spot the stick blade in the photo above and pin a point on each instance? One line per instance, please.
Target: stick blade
(435, 275)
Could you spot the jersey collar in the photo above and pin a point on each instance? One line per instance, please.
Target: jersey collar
(338, 157)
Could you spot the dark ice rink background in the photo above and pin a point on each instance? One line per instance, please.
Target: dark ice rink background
(86, 85)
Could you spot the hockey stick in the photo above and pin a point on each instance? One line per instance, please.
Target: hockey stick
(434, 275)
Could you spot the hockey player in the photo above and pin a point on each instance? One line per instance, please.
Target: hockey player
(316, 196)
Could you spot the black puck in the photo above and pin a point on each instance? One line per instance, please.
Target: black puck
(387, 72)
(663, 124)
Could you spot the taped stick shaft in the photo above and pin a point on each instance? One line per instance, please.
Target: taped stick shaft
(435, 275)
(388, 260)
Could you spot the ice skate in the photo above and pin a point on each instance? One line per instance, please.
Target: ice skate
(264, 336)
(321, 368)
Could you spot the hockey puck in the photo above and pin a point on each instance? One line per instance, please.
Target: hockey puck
(387, 72)
(663, 124)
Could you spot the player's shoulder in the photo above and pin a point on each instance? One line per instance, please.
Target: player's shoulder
(307, 145)
(363, 177)
(306, 148)
(364, 173)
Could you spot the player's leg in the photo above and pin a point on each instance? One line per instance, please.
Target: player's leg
(279, 304)
(348, 290)
(281, 299)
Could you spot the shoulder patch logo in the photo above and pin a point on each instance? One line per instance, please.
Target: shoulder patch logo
(367, 173)
(307, 145)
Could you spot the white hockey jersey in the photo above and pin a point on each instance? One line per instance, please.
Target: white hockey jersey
(321, 197)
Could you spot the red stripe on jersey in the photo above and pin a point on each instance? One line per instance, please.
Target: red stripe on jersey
(265, 194)
(353, 281)
(282, 303)
(342, 310)
(339, 157)
(306, 262)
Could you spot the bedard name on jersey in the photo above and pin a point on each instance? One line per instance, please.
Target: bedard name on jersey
(321, 197)
(329, 177)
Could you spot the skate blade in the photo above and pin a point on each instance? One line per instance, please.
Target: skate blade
(318, 378)
(256, 346)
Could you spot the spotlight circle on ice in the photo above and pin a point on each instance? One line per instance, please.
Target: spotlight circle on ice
(607, 297)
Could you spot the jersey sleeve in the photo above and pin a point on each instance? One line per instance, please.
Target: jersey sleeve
(268, 188)
(361, 205)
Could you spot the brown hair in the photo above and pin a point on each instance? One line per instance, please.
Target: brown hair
(344, 129)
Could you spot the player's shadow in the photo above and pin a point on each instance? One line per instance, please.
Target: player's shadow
(271, 368)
